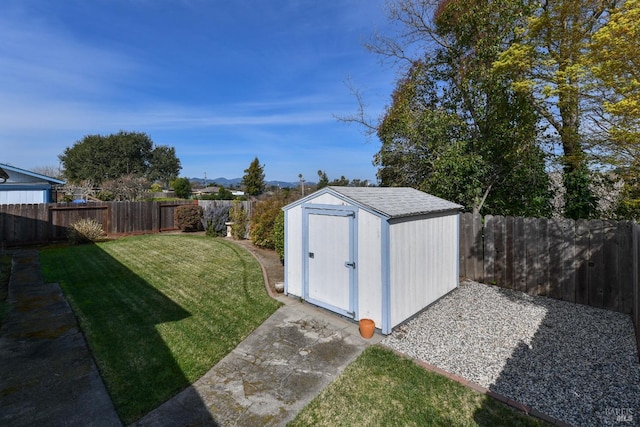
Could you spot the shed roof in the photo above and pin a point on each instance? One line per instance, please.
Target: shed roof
(392, 202)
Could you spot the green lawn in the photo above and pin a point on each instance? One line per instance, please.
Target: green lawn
(383, 389)
(158, 311)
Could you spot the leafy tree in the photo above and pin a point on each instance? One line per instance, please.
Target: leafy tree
(99, 158)
(253, 179)
(182, 187)
(164, 166)
(548, 64)
(323, 180)
(455, 128)
(614, 61)
(341, 182)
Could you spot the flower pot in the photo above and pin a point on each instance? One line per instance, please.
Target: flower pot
(367, 328)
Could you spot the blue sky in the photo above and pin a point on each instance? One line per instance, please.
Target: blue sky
(221, 81)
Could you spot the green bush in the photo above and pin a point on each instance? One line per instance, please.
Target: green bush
(238, 216)
(278, 235)
(182, 187)
(263, 219)
(85, 230)
(187, 217)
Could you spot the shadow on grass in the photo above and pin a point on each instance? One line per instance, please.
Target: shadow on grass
(119, 313)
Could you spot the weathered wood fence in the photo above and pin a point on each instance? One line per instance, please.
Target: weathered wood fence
(41, 223)
(587, 262)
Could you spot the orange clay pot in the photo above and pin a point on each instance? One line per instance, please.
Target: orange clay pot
(367, 328)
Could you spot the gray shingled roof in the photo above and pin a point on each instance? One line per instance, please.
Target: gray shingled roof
(395, 202)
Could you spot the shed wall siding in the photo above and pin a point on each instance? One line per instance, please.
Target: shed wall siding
(369, 265)
(328, 199)
(293, 258)
(423, 264)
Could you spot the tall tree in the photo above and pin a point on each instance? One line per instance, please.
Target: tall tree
(455, 128)
(548, 64)
(323, 179)
(164, 165)
(615, 62)
(253, 179)
(98, 158)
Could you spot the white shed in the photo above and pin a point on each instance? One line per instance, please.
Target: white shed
(383, 253)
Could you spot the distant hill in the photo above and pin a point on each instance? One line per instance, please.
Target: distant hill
(224, 182)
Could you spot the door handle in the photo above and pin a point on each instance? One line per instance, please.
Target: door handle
(351, 264)
(310, 254)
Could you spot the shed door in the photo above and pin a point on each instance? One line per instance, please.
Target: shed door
(330, 266)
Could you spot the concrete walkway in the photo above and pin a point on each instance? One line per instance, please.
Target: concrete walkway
(271, 375)
(47, 375)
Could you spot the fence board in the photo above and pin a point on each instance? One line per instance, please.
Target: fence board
(626, 263)
(596, 263)
(478, 248)
(610, 280)
(489, 249)
(532, 255)
(567, 251)
(582, 261)
(542, 261)
(471, 246)
(557, 249)
(520, 255)
(509, 279)
(466, 239)
(500, 243)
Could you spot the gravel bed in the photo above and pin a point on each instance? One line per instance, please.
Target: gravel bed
(576, 363)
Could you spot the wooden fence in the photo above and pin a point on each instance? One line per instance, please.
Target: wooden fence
(41, 223)
(586, 262)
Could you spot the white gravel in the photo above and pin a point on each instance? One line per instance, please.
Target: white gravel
(576, 363)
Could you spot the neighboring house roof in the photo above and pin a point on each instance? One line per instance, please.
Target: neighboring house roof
(391, 202)
(208, 190)
(21, 176)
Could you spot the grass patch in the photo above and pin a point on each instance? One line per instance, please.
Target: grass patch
(383, 389)
(5, 274)
(158, 311)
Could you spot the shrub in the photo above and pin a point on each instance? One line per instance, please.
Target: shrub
(187, 217)
(263, 219)
(238, 216)
(214, 219)
(85, 230)
(278, 235)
